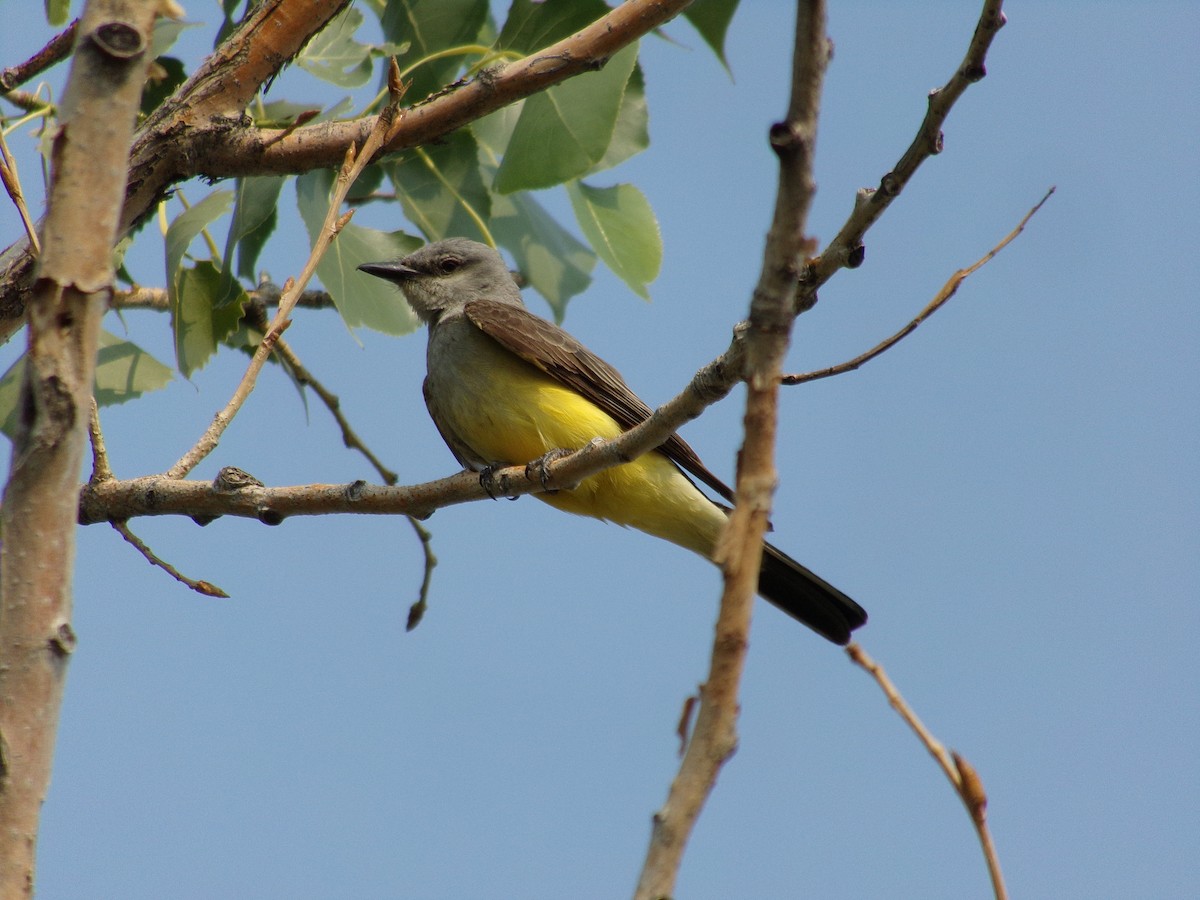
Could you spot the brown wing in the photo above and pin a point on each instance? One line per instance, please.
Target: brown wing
(555, 352)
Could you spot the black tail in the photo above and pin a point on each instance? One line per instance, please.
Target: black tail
(808, 598)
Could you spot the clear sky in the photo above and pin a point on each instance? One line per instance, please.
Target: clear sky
(1011, 492)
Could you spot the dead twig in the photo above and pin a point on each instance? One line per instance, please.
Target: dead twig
(948, 290)
(958, 771)
(416, 612)
(256, 316)
(846, 249)
(56, 50)
(355, 161)
(12, 184)
(101, 471)
(208, 589)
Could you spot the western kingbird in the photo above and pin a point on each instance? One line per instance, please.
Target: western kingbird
(505, 387)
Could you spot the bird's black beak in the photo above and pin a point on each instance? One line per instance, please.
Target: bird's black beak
(389, 271)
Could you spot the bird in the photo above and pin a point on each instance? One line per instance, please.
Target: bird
(506, 387)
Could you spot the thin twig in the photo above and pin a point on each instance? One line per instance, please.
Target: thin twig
(56, 50)
(355, 161)
(101, 471)
(948, 290)
(416, 612)
(846, 249)
(739, 552)
(157, 299)
(256, 316)
(208, 589)
(33, 105)
(334, 404)
(958, 771)
(12, 184)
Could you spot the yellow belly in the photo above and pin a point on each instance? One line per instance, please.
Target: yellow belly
(509, 412)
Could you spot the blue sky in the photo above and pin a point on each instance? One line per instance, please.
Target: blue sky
(1011, 493)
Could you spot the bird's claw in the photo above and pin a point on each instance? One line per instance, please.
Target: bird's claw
(495, 487)
(538, 469)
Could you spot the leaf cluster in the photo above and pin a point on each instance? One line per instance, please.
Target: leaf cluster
(482, 181)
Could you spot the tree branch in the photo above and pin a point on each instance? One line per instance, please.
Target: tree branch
(157, 299)
(207, 106)
(157, 495)
(846, 249)
(960, 773)
(40, 500)
(949, 289)
(207, 588)
(356, 159)
(56, 50)
(715, 736)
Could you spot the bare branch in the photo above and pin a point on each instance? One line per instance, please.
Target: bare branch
(416, 612)
(948, 290)
(208, 589)
(269, 151)
(101, 471)
(846, 250)
(40, 505)
(714, 738)
(12, 184)
(157, 299)
(356, 160)
(961, 775)
(56, 50)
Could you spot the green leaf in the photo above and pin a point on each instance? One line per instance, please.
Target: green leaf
(442, 190)
(180, 234)
(166, 33)
(166, 74)
(199, 325)
(631, 135)
(555, 264)
(621, 227)
(534, 24)
(564, 131)
(254, 218)
(228, 8)
(361, 299)
(711, 18)
(57, 11)
(10, 396)
(123, 371)
(187, 225)
(433, 26)
(494, 131)
(334, 56)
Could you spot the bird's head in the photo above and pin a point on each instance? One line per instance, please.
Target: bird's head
(446, 275)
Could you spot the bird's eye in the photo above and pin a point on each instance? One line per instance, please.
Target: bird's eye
(449, 264)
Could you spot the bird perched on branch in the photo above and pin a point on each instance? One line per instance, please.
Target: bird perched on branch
(506, 387)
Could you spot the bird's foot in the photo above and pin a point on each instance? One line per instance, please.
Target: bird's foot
(538, 468)
(496, 487)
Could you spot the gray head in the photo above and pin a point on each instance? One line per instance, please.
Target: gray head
(447, 274)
